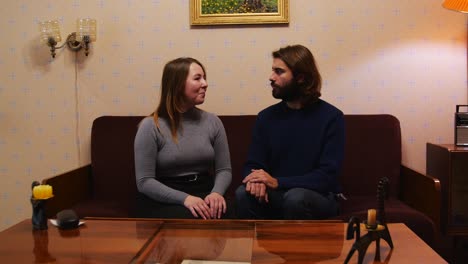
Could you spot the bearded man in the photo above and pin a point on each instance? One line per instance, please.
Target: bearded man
(297, 147)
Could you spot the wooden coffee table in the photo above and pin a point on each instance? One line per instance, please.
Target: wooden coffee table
(102, 240)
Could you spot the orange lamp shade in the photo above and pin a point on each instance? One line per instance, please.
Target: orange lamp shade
(456, 5)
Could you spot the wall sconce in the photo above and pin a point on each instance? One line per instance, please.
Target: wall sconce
(85, 34)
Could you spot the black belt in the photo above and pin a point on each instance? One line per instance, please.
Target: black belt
(183, 179)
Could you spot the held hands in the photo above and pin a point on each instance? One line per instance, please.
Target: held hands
(258, 190)
(257, 183)
(212, 207)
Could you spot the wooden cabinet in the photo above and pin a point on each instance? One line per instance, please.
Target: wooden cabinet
(449, 163)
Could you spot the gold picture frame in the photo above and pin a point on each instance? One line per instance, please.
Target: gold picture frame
(279, 16)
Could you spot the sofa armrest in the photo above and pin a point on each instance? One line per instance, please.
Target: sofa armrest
(69, 188)
(422, 192)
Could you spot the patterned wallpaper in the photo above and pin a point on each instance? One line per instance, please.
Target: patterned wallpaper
(404, 57)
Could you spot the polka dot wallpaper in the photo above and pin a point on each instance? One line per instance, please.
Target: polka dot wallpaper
(404, 57)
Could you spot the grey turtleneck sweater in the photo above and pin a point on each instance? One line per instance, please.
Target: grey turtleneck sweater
(202, 145)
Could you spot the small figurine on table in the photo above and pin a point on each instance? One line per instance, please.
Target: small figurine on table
(376, 225)
(40, 193)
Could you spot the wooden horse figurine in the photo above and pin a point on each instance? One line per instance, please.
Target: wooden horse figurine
(354, 226)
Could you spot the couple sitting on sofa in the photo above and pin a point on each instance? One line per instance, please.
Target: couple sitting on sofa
(293, 162)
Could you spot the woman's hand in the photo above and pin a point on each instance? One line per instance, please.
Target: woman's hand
(216, 203)
(197, 206)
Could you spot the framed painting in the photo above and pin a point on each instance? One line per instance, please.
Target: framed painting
(232, 12)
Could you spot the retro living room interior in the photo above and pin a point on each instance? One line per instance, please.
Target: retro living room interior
(77, 76)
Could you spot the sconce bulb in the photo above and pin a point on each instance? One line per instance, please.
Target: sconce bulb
(50, 34)
(86, 27)
(86, 40)
(50, 29)
(52, 43)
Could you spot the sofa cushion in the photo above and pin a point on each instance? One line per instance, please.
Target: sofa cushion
(102, 208)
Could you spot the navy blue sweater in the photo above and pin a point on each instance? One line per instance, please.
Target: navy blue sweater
(300, 148)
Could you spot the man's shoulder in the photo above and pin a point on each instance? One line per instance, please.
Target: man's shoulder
(319, 105)
(272, 109)
(327, 107)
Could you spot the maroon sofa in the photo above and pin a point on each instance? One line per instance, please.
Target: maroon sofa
(107, 188)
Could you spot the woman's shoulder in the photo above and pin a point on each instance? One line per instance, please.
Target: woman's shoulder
(207, 115)
(210, 119)
(147, 123)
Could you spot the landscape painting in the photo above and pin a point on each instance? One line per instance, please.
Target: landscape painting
(223, 12)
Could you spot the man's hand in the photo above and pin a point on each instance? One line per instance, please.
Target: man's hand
(258, 190)
(216, 203)
(261, 176)
(197, 206)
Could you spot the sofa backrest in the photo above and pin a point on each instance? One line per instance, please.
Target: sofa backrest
(372, 151)
(239, 135)
(112, 157)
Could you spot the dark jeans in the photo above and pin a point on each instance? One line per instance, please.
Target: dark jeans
(149, 208)
(296, 203)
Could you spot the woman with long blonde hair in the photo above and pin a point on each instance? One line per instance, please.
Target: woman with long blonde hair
(182, 160)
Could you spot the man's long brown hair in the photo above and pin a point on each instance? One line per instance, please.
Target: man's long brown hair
(172, 92)
(301, 62)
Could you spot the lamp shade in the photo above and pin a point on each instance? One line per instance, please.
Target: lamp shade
(86, 27)
(456, 5)
(50, 29)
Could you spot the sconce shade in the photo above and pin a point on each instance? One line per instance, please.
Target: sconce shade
(456, 5)
(49, 29)
(86, 27)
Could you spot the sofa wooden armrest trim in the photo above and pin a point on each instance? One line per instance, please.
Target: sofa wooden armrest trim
(422, 192)
(69, 188)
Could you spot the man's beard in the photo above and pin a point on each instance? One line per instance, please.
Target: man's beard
(289, 92)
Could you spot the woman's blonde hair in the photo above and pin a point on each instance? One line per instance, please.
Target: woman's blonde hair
(172, 92)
